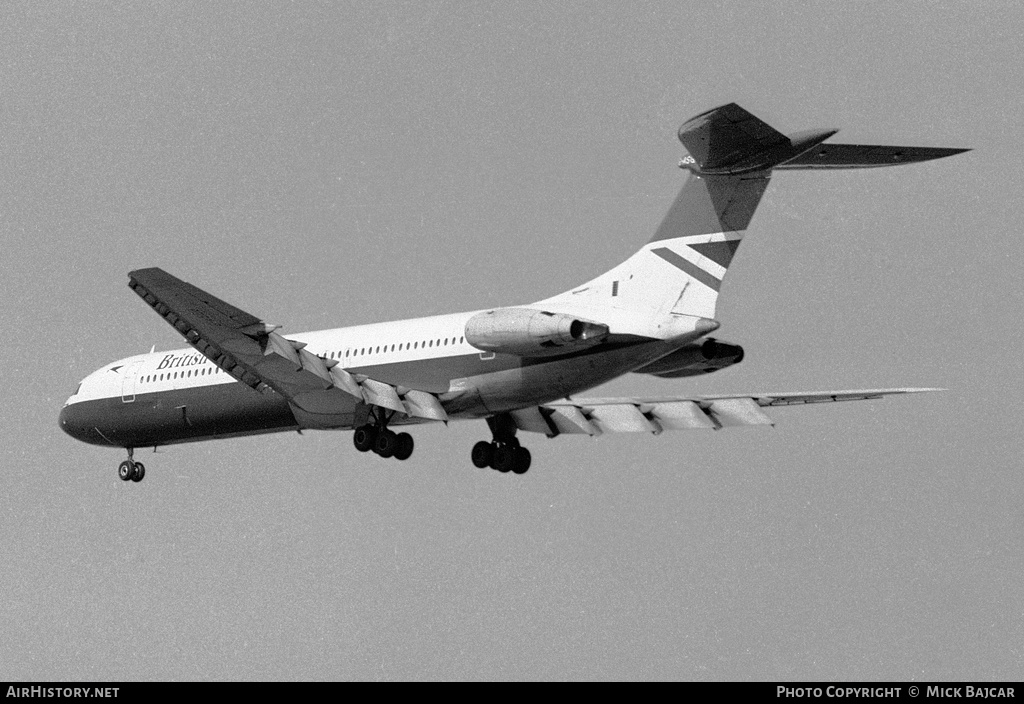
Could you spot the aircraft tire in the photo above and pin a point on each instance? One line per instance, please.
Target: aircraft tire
(364, 438)
(522, 460)
(387, 443)
(504, 458)
(125, 470)
(139, 472)
(482, 454)
(404, 446)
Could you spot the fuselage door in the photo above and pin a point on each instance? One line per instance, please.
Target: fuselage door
(128, 382)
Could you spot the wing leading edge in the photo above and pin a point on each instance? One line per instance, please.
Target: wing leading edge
(654, 415)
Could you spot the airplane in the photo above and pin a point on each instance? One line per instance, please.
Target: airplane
(519, 368)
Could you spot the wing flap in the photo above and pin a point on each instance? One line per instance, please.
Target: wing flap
(623, 418)
(534, 420)
(571, 420)
(423, 405)
(377, 393)
(732, 412)
(592, 416)
(681, 415)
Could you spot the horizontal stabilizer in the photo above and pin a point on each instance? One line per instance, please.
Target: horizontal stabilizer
(728, 140)
(864, 156)
(725, 135)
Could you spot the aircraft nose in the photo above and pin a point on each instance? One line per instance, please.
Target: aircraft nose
(73, 420)
(67, 421)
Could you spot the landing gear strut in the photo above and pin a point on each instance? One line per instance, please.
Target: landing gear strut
(130, 469)
(376, 436)
(504, 453)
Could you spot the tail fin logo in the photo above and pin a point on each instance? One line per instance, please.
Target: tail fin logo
(720, 253)
(707, 262)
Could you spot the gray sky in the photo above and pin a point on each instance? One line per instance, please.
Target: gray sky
(323, 165)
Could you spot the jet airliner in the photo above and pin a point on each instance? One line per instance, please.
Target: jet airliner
(519, 368)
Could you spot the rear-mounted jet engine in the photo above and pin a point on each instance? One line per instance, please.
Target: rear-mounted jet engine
(703, 357)
(531, 333)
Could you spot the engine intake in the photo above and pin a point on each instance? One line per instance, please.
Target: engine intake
(531, 333)
(704, 357)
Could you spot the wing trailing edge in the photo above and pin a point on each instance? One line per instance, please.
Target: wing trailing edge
(654, 415)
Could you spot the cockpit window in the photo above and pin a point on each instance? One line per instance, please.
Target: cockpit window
(77, 389)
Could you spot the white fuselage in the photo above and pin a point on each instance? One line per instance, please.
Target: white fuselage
(179, 395)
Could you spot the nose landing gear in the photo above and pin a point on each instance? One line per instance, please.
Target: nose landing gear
(130, 470)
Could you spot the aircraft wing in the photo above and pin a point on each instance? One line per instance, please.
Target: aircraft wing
(655, 414)
(251, 351)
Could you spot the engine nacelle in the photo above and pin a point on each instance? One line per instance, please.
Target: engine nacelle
(708, 355)
(531, 333)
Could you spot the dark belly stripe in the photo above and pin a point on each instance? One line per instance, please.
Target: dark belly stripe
(179, 415)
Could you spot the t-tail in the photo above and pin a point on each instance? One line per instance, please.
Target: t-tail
(678, 274)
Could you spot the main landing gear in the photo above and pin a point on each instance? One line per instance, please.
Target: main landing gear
(376, 436)
(504, 453)
(130, 469)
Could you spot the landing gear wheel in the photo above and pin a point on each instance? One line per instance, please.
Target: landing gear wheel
(139, 473)
(387, 443)
(403, 447)
(522, 460)
(364, 438)
(125, 470)
(504, 458)
(482, 454)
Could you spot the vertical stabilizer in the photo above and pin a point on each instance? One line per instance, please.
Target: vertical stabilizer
(699, 237)
(679, 272)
